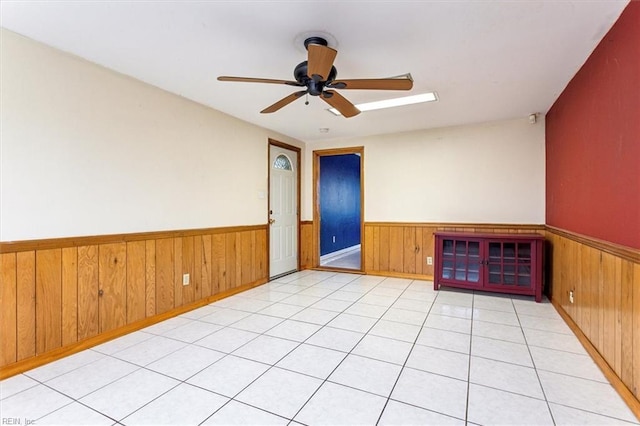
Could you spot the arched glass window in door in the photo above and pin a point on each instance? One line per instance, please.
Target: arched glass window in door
(282, 162)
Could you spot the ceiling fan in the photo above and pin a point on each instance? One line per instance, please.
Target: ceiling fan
(318, 76)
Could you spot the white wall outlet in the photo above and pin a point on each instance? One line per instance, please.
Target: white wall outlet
(570, 296)
(185, 279)
(429, 260)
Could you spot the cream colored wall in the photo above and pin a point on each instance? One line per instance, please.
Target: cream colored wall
(87, 151)
(487, 173)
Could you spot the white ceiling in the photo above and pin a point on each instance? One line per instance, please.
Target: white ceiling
(487, 60)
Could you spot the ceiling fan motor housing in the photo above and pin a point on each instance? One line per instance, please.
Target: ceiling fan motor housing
(314, 88)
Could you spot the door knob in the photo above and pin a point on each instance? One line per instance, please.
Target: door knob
(272, 221)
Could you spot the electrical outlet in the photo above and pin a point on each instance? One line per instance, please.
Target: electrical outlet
(570, 296)
(429, 260)
(185, 279)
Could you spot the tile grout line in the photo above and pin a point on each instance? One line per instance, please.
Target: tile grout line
(75, 401)
(284, 356)
(466, 408)
(404, 365)
(50, 388)
(78, 400)
(534, 367)
(351, 350)
(637, 422)
(271, 366)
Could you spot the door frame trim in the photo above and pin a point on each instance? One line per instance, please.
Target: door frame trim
(297, 150)
(316, 203)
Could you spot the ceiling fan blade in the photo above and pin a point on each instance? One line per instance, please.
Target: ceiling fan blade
(320, 60)
(373, 84)
(283, 102)
(340, 103)
(258, 80)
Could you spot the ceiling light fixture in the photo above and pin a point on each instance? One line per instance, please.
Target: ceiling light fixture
(390, 103)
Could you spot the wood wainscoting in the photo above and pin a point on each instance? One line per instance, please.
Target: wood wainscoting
(605, 313)
(308, 245)
(56, 295)
(401, 249)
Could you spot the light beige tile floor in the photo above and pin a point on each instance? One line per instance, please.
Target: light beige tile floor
(328, 348)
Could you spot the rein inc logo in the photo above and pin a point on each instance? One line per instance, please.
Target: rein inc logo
(16, 421)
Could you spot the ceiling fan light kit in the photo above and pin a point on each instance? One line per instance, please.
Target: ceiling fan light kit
(318, 76)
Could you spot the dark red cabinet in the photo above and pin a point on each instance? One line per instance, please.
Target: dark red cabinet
(505, 263)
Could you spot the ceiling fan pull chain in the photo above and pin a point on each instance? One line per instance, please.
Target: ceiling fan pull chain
(306, 101)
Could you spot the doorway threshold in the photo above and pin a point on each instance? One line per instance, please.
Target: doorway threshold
(284, 274)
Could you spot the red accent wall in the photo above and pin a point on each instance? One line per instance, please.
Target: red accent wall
(593, 141)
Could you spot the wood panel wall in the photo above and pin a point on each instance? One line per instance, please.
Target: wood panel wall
(57, 293)
(605, 280)
(308, 247)
(401, 248)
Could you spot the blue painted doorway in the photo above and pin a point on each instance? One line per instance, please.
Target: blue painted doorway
(340, 210)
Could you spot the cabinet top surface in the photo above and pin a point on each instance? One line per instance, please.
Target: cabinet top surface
(479, 235)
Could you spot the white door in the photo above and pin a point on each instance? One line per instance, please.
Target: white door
(283, 211)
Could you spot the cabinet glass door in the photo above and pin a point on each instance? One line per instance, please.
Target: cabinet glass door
(509, 264)
(448, 259)
(461, 260)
